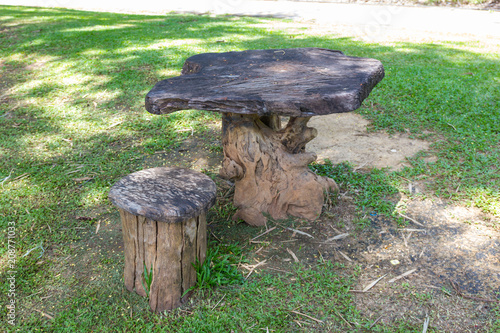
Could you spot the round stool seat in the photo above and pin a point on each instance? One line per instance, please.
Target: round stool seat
(164, 194)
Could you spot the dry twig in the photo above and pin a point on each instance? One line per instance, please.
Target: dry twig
(262, 234)
(341, 236)
(414, 230)
(370, 286)
(114, 124)
(312, 318)
(218, 302)
(375, 322)
(413, 220)
(279, 270)
(338, 314)
(253, 267)
(293, 255)
(406, 239)
(300, 232)
(426, 323)
(402, 275)
(344, 255)
(45, 314)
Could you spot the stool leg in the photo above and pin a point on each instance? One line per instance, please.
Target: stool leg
(166, 286)
(140, 257)
(190, 235)
(169, 250)
(201, 244)
(174, 273)
(129, 231)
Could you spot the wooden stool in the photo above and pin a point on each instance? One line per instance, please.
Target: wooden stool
(164, 230)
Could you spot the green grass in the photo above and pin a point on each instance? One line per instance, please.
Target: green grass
(72, 122)
(218, 268)
(257, 303)
(374, 192)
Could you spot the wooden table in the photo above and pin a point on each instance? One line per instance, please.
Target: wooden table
(253, 89)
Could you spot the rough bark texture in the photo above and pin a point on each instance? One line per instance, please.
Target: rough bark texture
(300, 82)
(164, 227)
(169, 250)
(269, 167)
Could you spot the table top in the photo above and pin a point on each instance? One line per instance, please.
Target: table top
(298, 82)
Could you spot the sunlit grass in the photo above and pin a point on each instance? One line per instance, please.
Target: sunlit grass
(100, 28)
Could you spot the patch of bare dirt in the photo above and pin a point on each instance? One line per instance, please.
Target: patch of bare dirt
(344, 137)
(444, 266)
(7, 80)
(451, 258)
(201, 151)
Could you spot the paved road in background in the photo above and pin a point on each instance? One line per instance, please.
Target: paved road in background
(367, 20)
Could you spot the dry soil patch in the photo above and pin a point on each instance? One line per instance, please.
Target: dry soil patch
(344, 137)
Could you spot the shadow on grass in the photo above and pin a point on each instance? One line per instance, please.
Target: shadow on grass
(72, 119)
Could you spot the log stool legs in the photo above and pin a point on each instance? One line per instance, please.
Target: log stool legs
(168, 251)
(164, 231)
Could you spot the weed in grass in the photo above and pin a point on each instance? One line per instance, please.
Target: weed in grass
(225, 212)
(422, 297)
(279, 303)
(216, 148)
(147, 279)
(218, 269)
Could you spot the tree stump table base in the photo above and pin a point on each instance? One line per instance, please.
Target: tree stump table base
(270, 168)
(164, 231)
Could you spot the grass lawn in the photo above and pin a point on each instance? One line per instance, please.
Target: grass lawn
(72, 122)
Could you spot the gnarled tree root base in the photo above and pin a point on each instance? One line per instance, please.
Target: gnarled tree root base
(270, 168)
